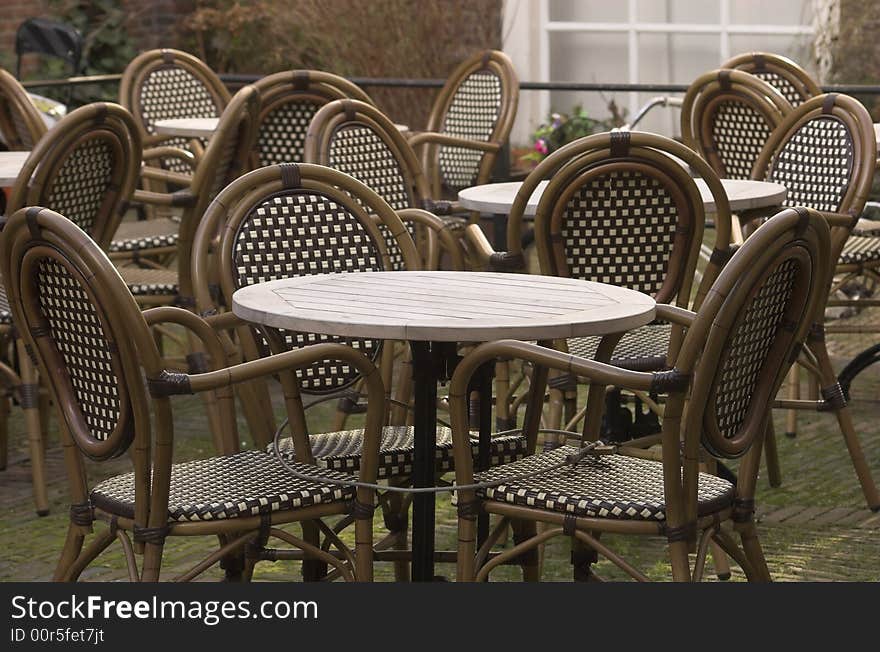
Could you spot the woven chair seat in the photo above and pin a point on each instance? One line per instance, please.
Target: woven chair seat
(145, 234)
(143, 281)
(610, 486)
(860, 250)
(642, 349)
(341, 451)
(245, 484)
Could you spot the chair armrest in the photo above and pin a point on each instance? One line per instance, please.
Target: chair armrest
(158, 174)
(179, 198)
(485, 255)
(167, 151)
(674, 314)
(442, 229)
(432, 137)
(218, 345)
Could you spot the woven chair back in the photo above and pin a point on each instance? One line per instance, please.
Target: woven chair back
(166, 84)
(618, 208)
(747, 334)
(727, 116)
(82, 326)
(84, 168)
(824, 154)
(20, 123)
(478, 102)
(358, 139)
(780, 72)
(291, 220)
(290, 101)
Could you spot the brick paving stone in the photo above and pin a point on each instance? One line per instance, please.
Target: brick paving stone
(833, 516)
(805, 516)
(779, 515)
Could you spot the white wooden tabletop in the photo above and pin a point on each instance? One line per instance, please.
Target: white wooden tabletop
(443, 306)
(187, 127)
(743, 195)
(10, 165)
(204, 127)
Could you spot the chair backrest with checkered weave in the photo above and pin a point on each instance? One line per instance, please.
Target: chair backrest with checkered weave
(165, 84)
(618, 209)
(745, 337)
(84, 168)
(21, 126)
(291, 220)
(81, 324)
(478, 102)
(290, 101)
(727, 116)
(780, 72)
(358, 139)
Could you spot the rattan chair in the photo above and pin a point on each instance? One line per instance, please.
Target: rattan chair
(290, 100)
(780, 72)
(824, 154)
(727, 116)
(358, 139)
(617, 209)
(164, 84)
(20, 123)
(113, 397)
(86, 166)
(735, 354)
(469, 122)
(225, 159)
(273, 224)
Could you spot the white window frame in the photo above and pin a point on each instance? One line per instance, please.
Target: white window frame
(724, 29)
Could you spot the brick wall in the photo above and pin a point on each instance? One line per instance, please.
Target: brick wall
(14, 12)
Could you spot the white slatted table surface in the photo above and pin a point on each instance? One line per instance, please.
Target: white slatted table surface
(743, 194)
(10, 165)
(203, 127)
(431, 310)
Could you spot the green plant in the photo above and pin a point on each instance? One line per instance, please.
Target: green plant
(563, 128)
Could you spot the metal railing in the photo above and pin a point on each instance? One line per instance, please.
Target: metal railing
(236, 80)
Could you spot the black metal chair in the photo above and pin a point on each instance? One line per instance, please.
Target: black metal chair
(49, 39)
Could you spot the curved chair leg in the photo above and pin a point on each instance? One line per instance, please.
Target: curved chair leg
(582, 559)
(529, 560)
(467, 549)
(396, 515)
(29, 391)
(678, 554)
(771, 456)
(754, 552)
(794, 393)
(722, 563)
(72, 548)
(831, 387)
(312, 569)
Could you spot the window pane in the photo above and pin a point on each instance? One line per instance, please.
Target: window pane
(797, 48)
(784, 12)
(587, 11)
(679, 11)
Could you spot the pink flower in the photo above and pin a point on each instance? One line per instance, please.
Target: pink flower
(541, 146)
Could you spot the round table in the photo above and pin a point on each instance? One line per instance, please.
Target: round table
(204, 127)
(497, 198)
(433, 311)
(10, 165)
(187, 127)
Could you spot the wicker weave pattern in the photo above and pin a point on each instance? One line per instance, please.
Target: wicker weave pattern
(859, 249)
(175, 93)
(619, 228)
(82, 182)
(77, 332)
(613, 486)
(738, 134)
(783, 85)
(300, 233)
(283, 132)
(642, 348)
(472, 114)
(358, 151)
(341, 451)
(749, 346)
(815, 164)
(246, 484)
